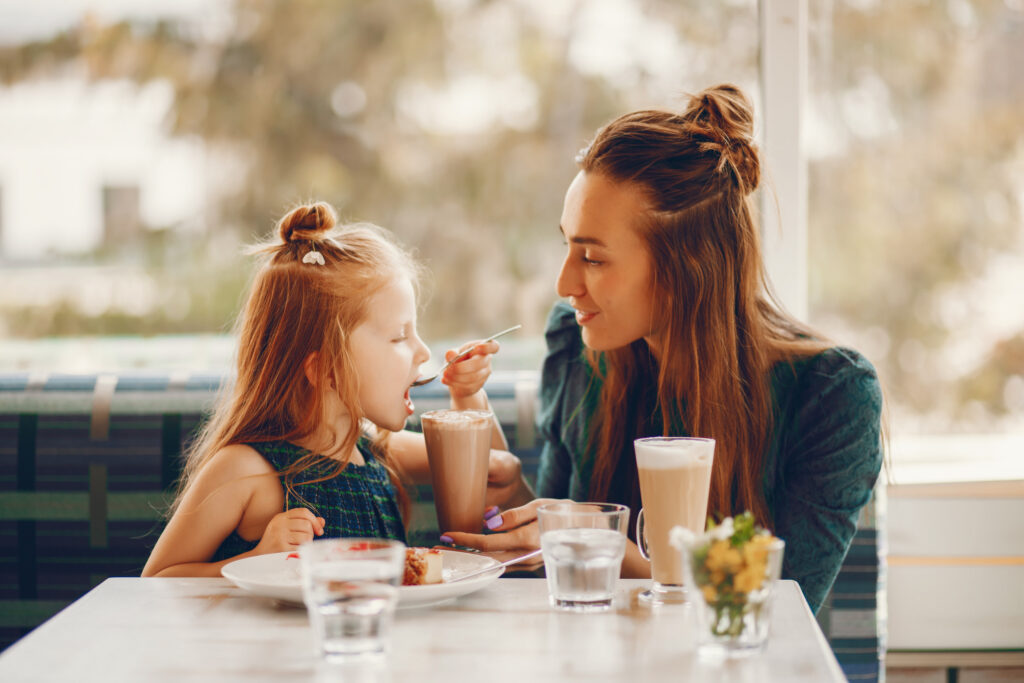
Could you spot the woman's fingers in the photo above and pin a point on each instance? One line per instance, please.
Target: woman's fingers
(515, 517)
(525, 537)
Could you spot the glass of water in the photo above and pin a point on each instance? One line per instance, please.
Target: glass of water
(350, 587)
(583, 545)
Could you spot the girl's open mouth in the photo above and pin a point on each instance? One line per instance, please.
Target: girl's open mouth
(409, 407)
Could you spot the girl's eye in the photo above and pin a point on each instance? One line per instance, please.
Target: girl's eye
(400, 338)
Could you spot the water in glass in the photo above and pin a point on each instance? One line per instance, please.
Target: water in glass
(582, 566)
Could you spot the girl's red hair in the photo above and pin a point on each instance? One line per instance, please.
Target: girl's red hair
(296, 309)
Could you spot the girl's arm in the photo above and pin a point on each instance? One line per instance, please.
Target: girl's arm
(465, 381)
(236, 490)
(506, 485)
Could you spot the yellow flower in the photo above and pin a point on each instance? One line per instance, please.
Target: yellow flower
(749, 579)
(710, 594)
(723, 557)
(756, 549)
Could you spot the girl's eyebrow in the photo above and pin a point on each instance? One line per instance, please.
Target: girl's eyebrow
(584, 240)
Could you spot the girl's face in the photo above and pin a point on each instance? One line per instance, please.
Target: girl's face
(388, 353)
(606, 275)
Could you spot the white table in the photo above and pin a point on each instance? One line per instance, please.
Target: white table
(180, 630)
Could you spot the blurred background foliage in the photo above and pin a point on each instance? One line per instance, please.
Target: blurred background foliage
(454, 123)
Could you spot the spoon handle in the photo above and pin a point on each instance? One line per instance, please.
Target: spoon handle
(470, 349)
(485, 341)
(514, 560)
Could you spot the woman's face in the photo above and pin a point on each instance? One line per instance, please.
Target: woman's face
(606, 275)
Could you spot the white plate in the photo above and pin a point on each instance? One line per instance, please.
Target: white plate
(278, 576)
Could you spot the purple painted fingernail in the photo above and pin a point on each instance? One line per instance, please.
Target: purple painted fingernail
(490, 512)
(447, 539)
(494, 522)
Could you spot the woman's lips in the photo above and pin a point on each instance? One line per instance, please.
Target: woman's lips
(583, 317)
(409, 407)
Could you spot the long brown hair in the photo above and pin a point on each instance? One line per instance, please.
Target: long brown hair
(307, 296)
(722, 329)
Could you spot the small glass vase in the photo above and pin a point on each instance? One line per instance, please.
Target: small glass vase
(731, 622)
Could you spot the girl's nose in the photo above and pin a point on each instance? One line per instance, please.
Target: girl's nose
(422, 352)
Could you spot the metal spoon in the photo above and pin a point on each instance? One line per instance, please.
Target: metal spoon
(514, 560)
(464, 354)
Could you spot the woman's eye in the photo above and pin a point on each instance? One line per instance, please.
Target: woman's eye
(591, 262)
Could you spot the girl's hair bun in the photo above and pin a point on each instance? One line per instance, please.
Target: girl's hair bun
(306, 222)
(724, 114)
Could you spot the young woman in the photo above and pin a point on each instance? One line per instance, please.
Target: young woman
(309, 440)
(669, 329)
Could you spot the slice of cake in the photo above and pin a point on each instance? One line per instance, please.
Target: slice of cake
(422, 566)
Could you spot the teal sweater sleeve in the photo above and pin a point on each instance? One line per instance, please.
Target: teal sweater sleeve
(562, 418)
(823, 463)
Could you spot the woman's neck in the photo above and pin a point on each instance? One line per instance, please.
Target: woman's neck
(654, 344)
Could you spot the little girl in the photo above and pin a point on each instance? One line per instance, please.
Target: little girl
(302, 445)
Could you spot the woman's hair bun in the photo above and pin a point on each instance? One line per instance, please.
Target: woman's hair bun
(724, 114)
(306, 222)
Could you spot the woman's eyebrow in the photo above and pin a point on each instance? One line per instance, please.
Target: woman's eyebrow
(583, 239)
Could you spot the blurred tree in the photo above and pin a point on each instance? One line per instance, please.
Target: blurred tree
(917, 196)
(454, 124)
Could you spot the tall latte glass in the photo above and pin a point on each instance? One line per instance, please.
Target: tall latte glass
(675, 476)
(458, 449)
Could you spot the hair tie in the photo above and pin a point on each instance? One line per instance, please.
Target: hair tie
(314, 256)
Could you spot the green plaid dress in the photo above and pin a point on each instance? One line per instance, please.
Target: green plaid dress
(359, 502)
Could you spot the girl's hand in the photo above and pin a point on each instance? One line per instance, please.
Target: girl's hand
(519, 527)
(287, 530)
(505, 484)
(467, 377)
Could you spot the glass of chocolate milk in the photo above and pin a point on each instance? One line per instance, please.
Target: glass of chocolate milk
(458, 448)
(675, 477)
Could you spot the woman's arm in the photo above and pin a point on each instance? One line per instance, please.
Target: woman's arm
(236, 490)
(829, 465)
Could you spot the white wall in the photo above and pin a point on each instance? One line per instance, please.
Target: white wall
(62, 141)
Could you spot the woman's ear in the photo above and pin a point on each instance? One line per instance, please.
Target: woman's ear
(311, 368)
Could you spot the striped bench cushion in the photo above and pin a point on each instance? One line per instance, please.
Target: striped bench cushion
(88, 465)
(853, 614)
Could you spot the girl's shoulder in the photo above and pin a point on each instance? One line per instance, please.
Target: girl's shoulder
(236, 461)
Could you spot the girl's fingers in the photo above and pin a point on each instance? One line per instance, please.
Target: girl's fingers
(473, 378)
(301, 513)
(479, 349)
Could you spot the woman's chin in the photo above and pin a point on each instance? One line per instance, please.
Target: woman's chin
(598, 342)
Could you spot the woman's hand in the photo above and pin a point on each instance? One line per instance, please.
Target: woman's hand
(518, 527)
(466, 378)
(287, 530)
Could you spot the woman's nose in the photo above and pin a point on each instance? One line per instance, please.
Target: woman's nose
(568, 283)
